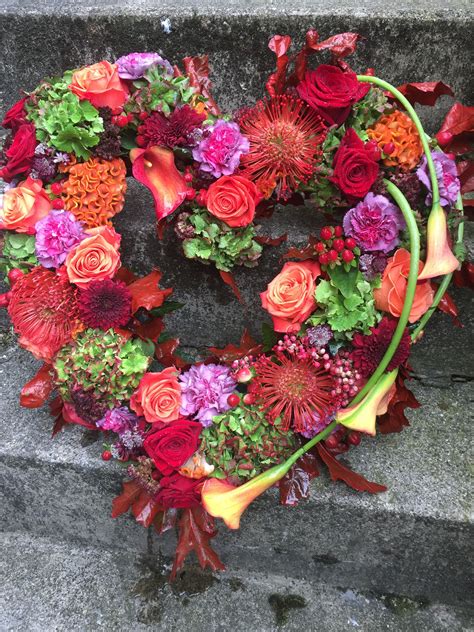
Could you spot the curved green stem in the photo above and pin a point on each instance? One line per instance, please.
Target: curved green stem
(414, 117)
(311, 443)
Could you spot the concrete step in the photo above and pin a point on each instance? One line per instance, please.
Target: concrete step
(54, 586)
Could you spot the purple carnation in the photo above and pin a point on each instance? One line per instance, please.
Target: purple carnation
(374, 223)
(204, 391)
(220, 149)
(56, 235)
(446, 174)
(118, 420)
(135, 65)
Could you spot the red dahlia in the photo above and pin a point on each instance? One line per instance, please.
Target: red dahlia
(172, 131)
(105, 304)
(44, 312)
(369, 350)
(285, 144)
(292, 389)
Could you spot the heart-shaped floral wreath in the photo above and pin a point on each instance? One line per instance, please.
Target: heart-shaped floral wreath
(203, 440)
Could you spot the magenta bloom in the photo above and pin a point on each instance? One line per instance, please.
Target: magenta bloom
(446, 173)
(118, 420)
(220, 149)
(56, 235)
(374, 223)
(135, 65)
(204, 391)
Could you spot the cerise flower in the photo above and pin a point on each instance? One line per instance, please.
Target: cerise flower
(172, 131)
(285, 140)
(105, 304)
(44, 312)
(369, 350)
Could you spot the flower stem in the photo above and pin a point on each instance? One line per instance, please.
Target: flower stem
(311, 443)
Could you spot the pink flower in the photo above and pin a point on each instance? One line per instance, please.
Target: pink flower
(220, 150)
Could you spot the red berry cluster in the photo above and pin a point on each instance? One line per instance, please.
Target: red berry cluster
(333, 248)
(341, 440)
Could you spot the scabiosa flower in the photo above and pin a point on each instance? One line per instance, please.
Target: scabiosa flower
(44, 312)
(56, 235)
(173, 131)
(105, 304)
(204, 391)
(285, 144)
(319, 336)
(372, 265)
(446, 174)
(221, 148)
(291, 389)
(374, 223)
(118, 420)
(135, 65)
(369, 350)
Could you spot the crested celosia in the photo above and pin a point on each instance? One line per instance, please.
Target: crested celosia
(205, 389)
(56, 235)
(397, 136)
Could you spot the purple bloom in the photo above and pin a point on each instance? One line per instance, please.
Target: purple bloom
(118, 420)
(319, 336)
(135, 65)
(204, 390)
(446, 174)
(56, 235)
(220, 149)
(374, 223)
(317, 423)
(372, 265)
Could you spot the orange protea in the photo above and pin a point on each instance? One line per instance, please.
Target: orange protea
(397, 136)
(44, 312)
(285, 144)
(95, 190)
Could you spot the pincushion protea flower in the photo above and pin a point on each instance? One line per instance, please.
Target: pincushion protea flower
(285, 140)
(44, 312)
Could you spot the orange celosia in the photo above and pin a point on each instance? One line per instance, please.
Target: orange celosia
(398, 129)
(95, 190)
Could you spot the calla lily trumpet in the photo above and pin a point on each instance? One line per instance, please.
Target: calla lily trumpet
(439, 259)
(226, 501)
(154, 167)
(362, 417)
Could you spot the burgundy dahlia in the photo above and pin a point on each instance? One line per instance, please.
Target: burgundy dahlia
(369, 350)
(105, 304)
(173, 131)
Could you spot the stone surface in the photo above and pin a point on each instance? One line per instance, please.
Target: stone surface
(69, 588)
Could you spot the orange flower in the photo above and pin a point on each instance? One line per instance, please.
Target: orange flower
(23, 206)
(398, 129)
(391, 295)
(94, 258)
(95, 190)
(289, 298)
(440, 259)
(100, 84)
(158, 397)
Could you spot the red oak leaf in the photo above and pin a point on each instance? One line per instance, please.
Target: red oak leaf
(449, 307)
(338, 471)
(228, 278)
(340, 46)
(295, 485)
(35, 392)
(394, 420)
(146, 293)
(302, 254)
(269, 241)
(56, 411)
(197, 69)
(124, 501)
(165, 353)
(279, 44)
(457, 131)
(465, 276)
(165, 520)
(426, 93)
(246, 346)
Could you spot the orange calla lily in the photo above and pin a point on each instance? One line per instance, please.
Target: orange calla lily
(154, 167)
(362, 416)
(439, 259)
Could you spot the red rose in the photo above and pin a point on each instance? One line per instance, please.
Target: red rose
(15, 116)
(232, 199)
(20, 153)
(332, 92)
(355, 165)
(179, 492)
(172, 445)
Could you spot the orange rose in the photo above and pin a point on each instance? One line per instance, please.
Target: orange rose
(232, 199)
(23, 206)
(95, 258)
(289, 298)
(391, 295)
(158, 397)
(100, 84)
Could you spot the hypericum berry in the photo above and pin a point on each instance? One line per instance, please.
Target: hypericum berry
(332, 442)
(5, 299)
(233, 400)
(140, 141)
(201, 197)
(121, 121)
(106, 455)
(338, 245)
(58, 204)
(324, 259)
(338, 231)
(332, 255)
(326, 233)
(56, 188)
(388, 148)
(350, 243)
(188, 177)
(143, 116)
(117, 111)
(249, 399)
(347, 256)
(354, 438)
(320, 247)
(190, 194)
(13, 275)
(444, 138)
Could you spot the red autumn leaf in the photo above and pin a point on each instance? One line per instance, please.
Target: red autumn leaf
(279, 44)
(246, 346)
(338, 471)
(154, 167)
(340, 46)
(35, 392)
(426, 93)
(269, 241)
(124, 501)
(228, 278)
(295, 485)
(449, 307)
(126, 275)
(165, 520)
(165, 353)
(465, 276)
(196, 528)
(151, 330)
(145, 509)
(56, 411)
(302, 254)
(457, 131)
(197, 68)
(394, 420)
(146, 293)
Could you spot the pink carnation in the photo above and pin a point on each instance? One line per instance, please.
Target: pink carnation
(220, 150)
